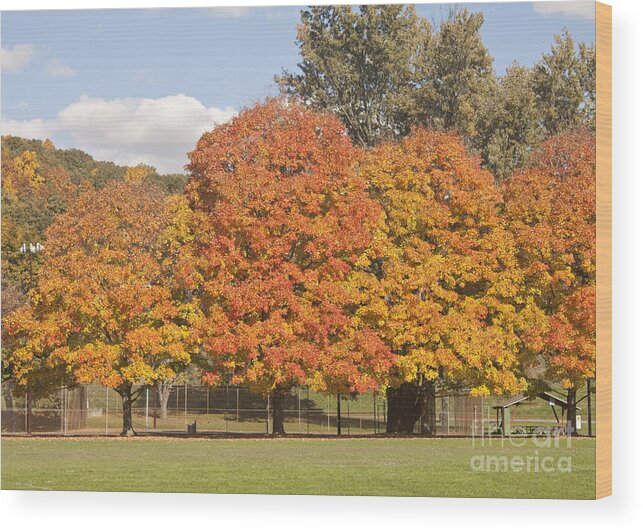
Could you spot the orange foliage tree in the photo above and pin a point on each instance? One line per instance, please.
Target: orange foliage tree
(551, 210)
(282, 220)
(439, 278)
(106, 307)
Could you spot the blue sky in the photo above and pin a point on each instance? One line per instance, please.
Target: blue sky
(142, 85)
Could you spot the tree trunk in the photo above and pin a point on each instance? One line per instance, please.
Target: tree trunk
(427, 408)
(403, 408)
(163, 390)
(393, 409)
(277, 402)
(126, 395)
(9, 415)
(571, 411)
(410, 403)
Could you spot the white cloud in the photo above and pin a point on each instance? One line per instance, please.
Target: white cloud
(228, 11)
(578, 9)
(27, 128)
(16, 58)
(56, 68)
(129, 130)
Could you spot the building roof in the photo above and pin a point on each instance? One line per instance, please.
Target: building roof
(511, 402)
(547, 397)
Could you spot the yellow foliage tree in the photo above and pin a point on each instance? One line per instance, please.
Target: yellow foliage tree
(439, 279)
(138, 173)
(27, 165)
(551, 211)
(107, 307)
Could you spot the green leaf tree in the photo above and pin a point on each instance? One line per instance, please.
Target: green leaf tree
(508, 126)
(460, 76)
(363, 65)
(564, 82)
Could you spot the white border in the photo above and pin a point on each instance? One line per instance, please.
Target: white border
(121, 512)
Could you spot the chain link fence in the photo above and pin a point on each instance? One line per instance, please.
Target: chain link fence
(96, 410)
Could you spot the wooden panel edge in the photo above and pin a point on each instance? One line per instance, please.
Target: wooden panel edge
(603, 250)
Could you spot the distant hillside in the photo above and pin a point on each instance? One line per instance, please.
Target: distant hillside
(80, 165)
(40, 181)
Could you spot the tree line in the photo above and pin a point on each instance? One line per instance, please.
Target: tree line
(384, 69)
(354, 234)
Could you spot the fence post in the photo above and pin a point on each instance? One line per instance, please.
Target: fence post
(348, 407)
(299, 407)
(185, 405)
(237, 405)
(268, 415)
(147, 409)
(475, 421)
(66, 408)
(374, 413)
(308, 411)
(227, 409)
(589, 407)
(106, 410)
(29, 414)
(62, 401)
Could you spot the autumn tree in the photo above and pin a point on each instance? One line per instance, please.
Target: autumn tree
(138, 173)
(282, 220)
(438, 280)
(107, 308)
(551, 211)
(79, 165)
(38, 183)
(28, 167)
(363, 65)
(33, 192)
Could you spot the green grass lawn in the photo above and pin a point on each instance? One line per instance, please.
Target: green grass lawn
(384, 467)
